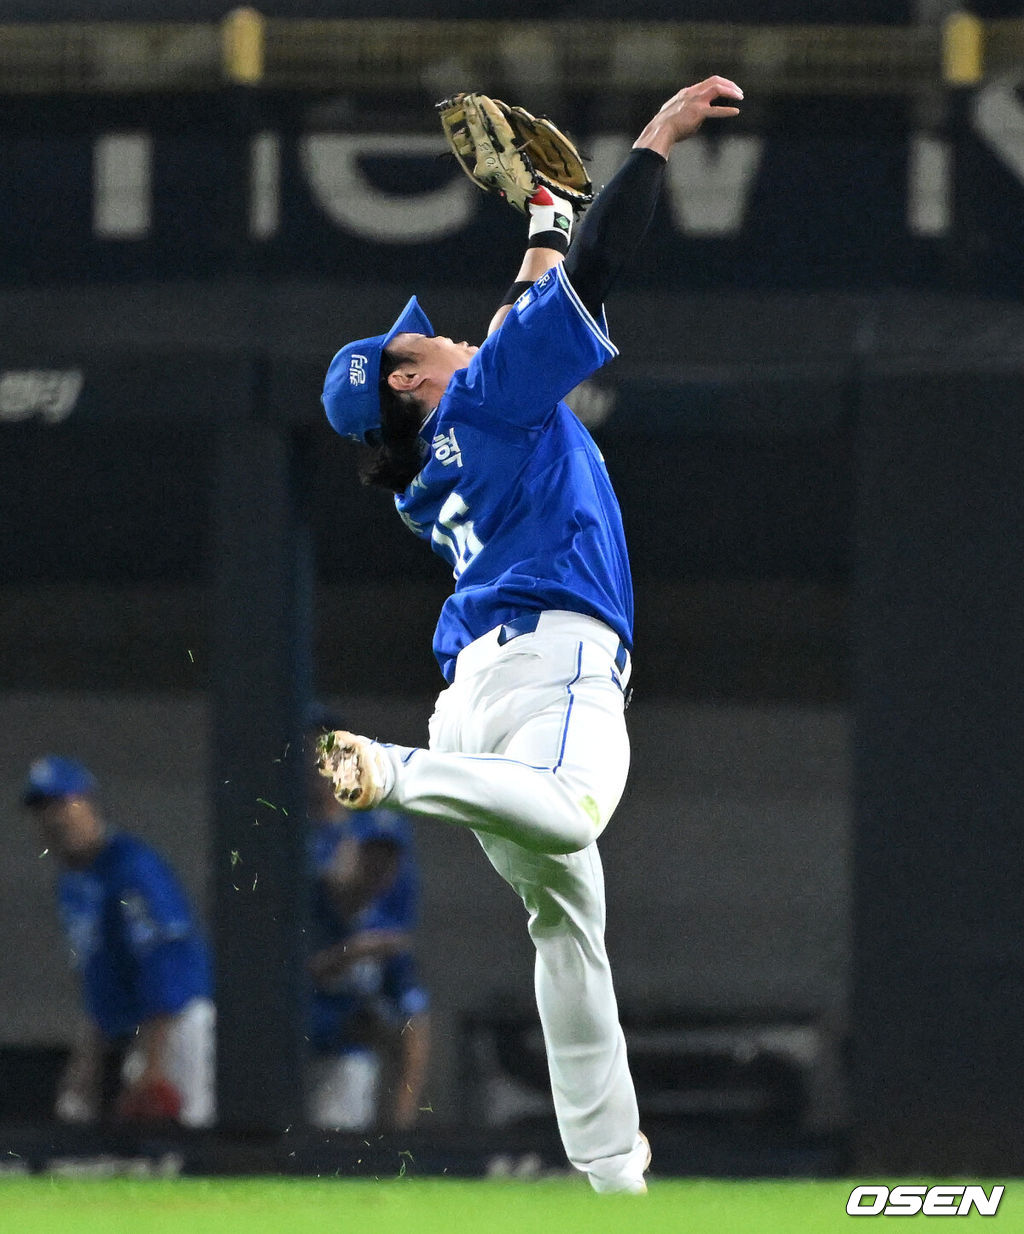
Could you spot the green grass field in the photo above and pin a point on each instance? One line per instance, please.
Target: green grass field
(54, 1205)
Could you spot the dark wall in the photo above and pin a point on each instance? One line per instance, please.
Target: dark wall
(736, 494)
(727, 505)
(737, 485)
(938, 926)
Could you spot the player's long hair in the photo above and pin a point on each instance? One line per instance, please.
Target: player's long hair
(396, 460)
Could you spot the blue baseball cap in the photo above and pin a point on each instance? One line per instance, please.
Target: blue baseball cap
(350, 395)
(53, 777)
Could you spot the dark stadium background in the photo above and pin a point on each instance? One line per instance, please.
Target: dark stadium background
(815, 431)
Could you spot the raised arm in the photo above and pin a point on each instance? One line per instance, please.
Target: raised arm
(685, 112)
(611, 231)
(607, 240)
(546, 245)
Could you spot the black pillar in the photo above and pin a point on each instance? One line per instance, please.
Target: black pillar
(938, 984)
(260, 682)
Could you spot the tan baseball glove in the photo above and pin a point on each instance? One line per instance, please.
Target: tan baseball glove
(507, 151)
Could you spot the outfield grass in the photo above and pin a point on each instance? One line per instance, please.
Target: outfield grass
(54, 1205)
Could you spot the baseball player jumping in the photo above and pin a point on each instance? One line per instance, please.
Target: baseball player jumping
(528, 744)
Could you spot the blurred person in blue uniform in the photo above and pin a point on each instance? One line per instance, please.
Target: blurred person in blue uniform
(141, 956)
(369, 1017)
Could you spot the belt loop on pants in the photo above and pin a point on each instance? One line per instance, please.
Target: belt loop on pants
(528, 624)
(521, 625)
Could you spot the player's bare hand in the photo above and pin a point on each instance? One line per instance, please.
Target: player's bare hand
(684, 113)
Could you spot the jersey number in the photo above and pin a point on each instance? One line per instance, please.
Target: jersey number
(454, 531)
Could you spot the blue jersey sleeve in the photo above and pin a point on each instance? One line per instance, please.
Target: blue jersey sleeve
(173, 974)
(153, 904)
(547, 345)
(171, 957)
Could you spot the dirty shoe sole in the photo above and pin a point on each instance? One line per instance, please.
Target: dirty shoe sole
(354, 765)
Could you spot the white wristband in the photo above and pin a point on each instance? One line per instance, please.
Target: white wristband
(549, 213)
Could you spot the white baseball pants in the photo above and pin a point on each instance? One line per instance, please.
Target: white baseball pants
(342, 1091)
(191, 1046)
(528, 747)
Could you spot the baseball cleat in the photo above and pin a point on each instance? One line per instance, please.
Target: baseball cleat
(627, 1183)
(647, 1163)
(356, 766)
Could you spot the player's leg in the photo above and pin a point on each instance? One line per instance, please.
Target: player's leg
(581, 730)
(593, 1092)
(341, 1090)
(190, 1061)
(552, 787)
(542, 747)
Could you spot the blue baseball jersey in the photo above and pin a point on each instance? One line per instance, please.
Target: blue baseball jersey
(134, 938)
(386, 987)
(515, 494)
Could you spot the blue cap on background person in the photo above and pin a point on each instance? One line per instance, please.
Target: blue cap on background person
(350, 395)
(53, 777)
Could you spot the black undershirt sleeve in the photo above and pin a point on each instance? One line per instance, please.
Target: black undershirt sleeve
(609, 234)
